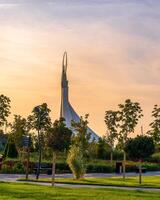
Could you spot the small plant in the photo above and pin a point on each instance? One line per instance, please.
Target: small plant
(155, 158)
(17, 168)
(77, 162)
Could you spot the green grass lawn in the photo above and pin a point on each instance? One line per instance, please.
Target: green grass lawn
(14, 191)
(147, 181)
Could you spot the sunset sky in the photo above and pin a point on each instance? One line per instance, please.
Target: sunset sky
(113, 50)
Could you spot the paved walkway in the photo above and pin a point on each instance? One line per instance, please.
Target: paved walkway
(14, 177)
(95, 186)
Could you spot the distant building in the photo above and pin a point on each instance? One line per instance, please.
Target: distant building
(67, 110)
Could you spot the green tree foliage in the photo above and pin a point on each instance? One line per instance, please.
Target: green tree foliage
(155, 125)
(111, 123)
(140, 148)
(128, 115)
(93, 149)
(4, 109)
(40, 119)
(18, 130)
(59, 136)
(59, 140)
(82, 136)
(103, 148)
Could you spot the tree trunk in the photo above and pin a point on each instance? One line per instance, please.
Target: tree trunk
(39, 163)
(140, 172)
(124, 165)
(53, 168)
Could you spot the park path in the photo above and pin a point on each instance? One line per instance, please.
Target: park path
(14, 177)
(93, 186)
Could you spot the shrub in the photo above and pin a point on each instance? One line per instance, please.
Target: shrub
(151, 166)
(5, 169)
(155, 158)
(131, 167)
(18, 168)
(140, 148)
(10, 163)
(76, 162)
(13, 167)
(62, 167)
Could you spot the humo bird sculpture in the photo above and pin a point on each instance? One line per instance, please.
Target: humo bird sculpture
(67, 111)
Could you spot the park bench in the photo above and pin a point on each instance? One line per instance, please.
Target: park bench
(45, 168)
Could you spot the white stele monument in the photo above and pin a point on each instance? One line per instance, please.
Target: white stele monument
(67, 112)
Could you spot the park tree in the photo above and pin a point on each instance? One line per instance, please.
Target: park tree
(82, 136)
(59, 140)
(155, 125)
(128, 115)
(112, 133)
(79, 149)
(18, 130)
(138, 149)
(102, 147)
(40, 121)
(4, 110)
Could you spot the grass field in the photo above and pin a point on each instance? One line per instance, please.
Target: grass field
(14, 191)
(147, 181)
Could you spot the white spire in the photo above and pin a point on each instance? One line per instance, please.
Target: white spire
(67, 111)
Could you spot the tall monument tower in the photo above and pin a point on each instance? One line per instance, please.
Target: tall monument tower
(67, 111)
